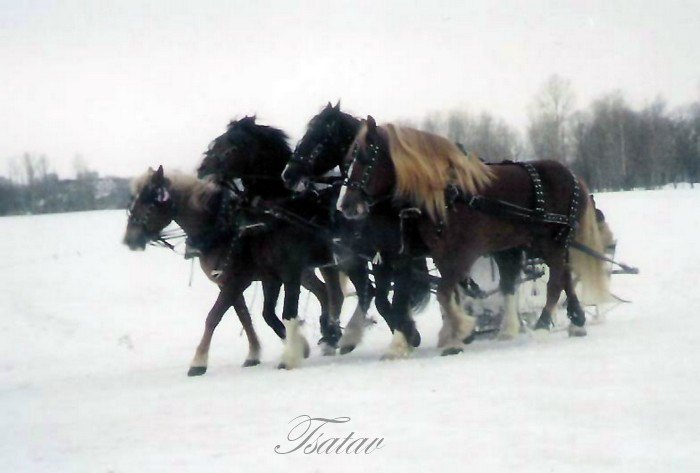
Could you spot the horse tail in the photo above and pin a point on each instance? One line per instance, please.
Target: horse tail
(591, 272)
(420, 285)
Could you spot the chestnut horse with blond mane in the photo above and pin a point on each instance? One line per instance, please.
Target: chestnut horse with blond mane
(470, 209)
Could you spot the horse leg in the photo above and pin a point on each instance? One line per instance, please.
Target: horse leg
(198, 365)
(241, 309)
(295, 345)
(406, 336)
(509, 264)
(330, 320)
(318, 288)
(460, 324)
(352, 335)
(271, 292)
(555, 285)
(382, 278)
(574, 311)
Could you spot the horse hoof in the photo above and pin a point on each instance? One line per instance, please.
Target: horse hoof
(248, 363)
(452, 351)
(576, 331)
(346, 349)
(283, 366)
(196, 370)
(307, 348)
(543, 325)
(469, 339)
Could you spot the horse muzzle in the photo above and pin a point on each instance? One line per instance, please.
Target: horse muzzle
(353, 208)
(135, 240)
(293, 181)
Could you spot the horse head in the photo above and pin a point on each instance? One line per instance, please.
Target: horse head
(229, 153)
(323, 147)
(254, 153)
(150, 211)
(370, 176)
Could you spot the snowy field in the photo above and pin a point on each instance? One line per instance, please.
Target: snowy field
(95, 343)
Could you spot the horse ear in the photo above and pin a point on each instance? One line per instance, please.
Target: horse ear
(158, 178)
(371, 124)
(337, 105)
(329, 106)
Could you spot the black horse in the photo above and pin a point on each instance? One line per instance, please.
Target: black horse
(250, 158)
(324, 146)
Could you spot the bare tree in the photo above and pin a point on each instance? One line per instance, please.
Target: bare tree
(549, 130)
(487, 137)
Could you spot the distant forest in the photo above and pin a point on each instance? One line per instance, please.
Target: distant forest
(611, 145)
(33, 189)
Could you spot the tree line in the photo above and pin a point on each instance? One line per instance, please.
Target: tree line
(611, 145)
(33, 189)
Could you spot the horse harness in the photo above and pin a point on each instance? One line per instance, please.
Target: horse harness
(535, 216)
(495, 207)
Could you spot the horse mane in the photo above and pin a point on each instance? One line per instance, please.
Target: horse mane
(238, 131)
(425, 164)
(198, 192)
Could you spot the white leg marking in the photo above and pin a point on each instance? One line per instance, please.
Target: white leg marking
(200, 360)
(294, 344)
(253, 353)
(352, 335)
(510, 325)
(446, 331)
(398, 348)
(462, 323)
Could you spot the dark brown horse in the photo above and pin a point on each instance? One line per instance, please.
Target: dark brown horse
(465, 214)
(231, 261)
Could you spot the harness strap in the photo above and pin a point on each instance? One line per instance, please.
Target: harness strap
(536, 215)
(501, 208)
(537, 184)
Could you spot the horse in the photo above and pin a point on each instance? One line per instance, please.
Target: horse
(252, 153)
(469, 209)
(230, 260)
(323, 147)
(249, 158)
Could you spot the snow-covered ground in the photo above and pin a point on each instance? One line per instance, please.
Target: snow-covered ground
(95, 342)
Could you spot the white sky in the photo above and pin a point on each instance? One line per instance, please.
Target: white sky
(132, 84)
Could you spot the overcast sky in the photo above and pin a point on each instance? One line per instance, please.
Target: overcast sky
(132, 84)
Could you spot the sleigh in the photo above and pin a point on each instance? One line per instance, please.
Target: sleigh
(480, 296)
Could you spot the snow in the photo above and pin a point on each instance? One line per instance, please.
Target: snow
(95, 343)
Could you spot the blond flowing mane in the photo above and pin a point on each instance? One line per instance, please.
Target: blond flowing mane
(195, 192)
(426, 164)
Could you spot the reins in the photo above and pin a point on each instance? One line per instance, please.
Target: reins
(624, 269)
